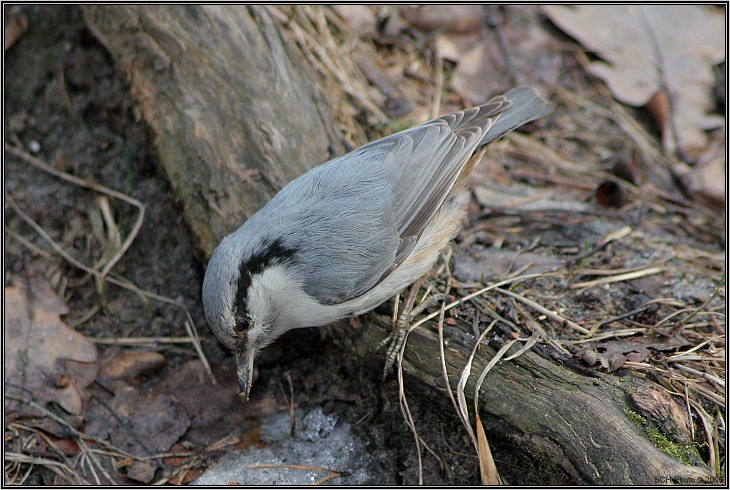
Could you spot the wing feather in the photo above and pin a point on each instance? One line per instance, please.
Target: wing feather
(372, 204)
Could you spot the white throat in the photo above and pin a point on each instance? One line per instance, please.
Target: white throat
(277, 299)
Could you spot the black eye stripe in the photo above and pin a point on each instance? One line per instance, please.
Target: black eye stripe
(240, 309)
(270, 252)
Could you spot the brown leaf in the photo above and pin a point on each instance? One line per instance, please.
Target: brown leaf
(359, 18)
(706, 180)
(668, 415)
(38, 346)
(142, 471)
(490, 262)
(175, 461)
(139, 423)
(659, 109)
(15, 25)
(130, 365)
(487, 468)
(50, 426)
(216, 411)
(648, 48)
(186, 476)
(452, 18)
(493, 60)
(614, 354)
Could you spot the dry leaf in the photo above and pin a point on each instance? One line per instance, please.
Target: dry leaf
(669, 416)
(647, 48)
(659, 108)
(214, 410)
(38, 346)
(526, 54)
(360, 18)
(142, 471)
(706, 180)
(613, 354)
(140, 423)
(454, 18)
(16, 24)
(487, 468)
(130, 365)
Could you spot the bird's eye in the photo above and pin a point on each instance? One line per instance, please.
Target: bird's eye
(241, 324)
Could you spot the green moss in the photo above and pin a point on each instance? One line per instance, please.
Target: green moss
(635, 417)
(682, 452)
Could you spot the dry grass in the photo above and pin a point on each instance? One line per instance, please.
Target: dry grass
(86, 469)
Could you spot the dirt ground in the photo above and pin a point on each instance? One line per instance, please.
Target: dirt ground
(64, 94)
(69, 105)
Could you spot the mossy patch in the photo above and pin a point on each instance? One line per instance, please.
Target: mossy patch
(666, 443)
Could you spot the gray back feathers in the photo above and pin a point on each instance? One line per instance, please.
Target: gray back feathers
(354, 219)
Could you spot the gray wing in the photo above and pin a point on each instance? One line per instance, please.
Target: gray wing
(431, 158)
(355, 219)
(447, 156)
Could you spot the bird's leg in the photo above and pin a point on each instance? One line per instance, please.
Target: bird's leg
(401, 324)
(432, 300)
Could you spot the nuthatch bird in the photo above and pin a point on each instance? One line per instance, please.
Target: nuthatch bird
(353, 232)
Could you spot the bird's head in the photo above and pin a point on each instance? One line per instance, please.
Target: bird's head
(243, 298)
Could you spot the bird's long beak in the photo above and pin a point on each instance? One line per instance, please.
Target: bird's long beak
(244, 363)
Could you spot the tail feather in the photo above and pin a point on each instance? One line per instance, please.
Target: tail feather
(527, 105)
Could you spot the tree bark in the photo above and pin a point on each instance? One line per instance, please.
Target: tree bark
(577, 422)
(235, 117)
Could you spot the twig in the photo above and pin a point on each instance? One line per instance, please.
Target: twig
(95, 187)
(616, 272)
(714, 294)
(141, 341)
(61, 454)
(705, 417)
(27, 244)
(528, 345)
(700, 374)
(538, 331)
(560, 319)
(439, 68)
(463, 409)
(688, 407)
(466, 298)
(494, 360)
(188, 324)
(59, 468)
(406, 411)
(78, 436)
(326, 479)
(442, 352)
(292, 418)
(618, 278)
(332, 473)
